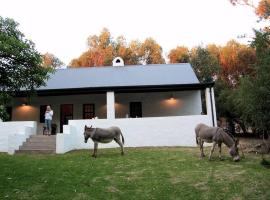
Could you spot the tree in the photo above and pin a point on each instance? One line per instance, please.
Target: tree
(205, 65)
(102, 49)
(251, 98)
(179, 55)
(150, 52)
(254, 91)
(262, 10)
(20, 63)
(50, 60)
(236, 60)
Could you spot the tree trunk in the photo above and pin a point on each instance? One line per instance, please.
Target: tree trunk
(231, 127)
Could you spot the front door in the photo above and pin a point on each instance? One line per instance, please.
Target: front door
(66, 113)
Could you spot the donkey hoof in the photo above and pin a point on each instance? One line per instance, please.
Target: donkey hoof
(94, 156)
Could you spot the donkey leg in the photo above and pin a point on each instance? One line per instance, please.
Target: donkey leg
(95, 150)
(201, 148)
(219, 145)
(118, 141)
(212, 150)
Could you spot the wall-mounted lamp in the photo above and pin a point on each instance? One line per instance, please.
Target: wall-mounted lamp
(171, 96)
(24, 104)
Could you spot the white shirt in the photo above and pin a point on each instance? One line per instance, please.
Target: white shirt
(48, 115)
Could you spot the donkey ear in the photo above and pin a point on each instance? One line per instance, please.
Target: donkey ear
(85, 127)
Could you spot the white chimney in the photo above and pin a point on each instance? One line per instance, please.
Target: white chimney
(118, 62)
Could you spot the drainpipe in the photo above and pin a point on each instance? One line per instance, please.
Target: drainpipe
(210, 105)
(212, 110)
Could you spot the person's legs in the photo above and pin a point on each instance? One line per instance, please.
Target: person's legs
(46, 127)
(50, 126)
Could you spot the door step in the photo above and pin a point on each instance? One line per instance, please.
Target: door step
(38, 144)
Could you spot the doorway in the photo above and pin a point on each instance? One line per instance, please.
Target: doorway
(66, 113)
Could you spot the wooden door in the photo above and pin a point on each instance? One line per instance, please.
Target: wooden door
(66, 113)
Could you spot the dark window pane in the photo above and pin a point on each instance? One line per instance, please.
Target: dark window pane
(88, 111)
(135, 109)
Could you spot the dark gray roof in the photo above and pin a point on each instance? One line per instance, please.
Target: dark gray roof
(129, 75)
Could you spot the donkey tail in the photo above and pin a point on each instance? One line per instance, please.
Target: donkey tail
(197, 139)
(123, 140)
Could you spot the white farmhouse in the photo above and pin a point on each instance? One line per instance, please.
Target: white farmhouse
(154, 105)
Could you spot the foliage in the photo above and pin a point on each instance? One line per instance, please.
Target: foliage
(151, 52)
(102, 49)
(50, 60)
(262, 10)
(205, 65)
(143, 173)
(236, 60)
(20, 63)
(179, 55)
(254, 91)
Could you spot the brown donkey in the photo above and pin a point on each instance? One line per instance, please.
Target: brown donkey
(218, 136)
(101, 135)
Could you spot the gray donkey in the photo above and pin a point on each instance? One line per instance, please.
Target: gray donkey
(218, 136)
(104, 136)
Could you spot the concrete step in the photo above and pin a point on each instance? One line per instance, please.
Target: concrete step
(40, 151)
(37, 148)
(41, 138)
(38, 144)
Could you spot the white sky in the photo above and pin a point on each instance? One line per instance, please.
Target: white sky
(61, 27)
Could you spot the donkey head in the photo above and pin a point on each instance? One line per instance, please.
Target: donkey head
(234, 151)
(87, 132)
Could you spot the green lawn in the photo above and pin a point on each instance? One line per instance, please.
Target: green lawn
(143, 173)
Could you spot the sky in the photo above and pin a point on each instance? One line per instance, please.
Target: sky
(61, 27)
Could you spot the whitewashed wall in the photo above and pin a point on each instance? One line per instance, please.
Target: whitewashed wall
(138, 132)
(13, 134)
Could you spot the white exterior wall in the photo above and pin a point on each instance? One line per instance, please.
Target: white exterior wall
(13, 134)
(160, 104)
(146, 131)
(138, 132)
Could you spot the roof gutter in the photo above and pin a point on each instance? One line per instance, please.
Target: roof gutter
(119, 89)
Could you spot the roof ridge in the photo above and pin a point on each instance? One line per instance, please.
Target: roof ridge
(103, 67)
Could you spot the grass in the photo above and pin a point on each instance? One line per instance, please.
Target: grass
(143, 173)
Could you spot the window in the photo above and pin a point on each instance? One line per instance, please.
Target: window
(88, 111)
(135, 109)
(42, 113)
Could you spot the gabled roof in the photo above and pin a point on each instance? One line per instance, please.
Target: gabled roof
(129, 78)
(133, 75)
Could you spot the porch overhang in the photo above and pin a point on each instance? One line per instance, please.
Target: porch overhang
(119, 89)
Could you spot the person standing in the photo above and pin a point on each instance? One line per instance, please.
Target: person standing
(48, 120)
